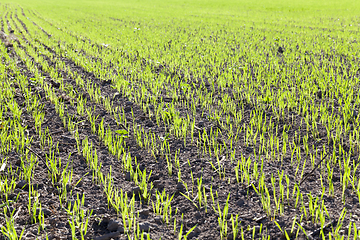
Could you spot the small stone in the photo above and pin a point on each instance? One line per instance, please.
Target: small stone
(12, 196)
(68, 139)
(18, 162)
(120, 229)
(158, 184)
(100, 210)
(22, 184)
(145, 226)
(55, 84)
(149, 124)
(127, 109)
(249, 149)
(128, 176)
(183, 209)
(141, 166)
(195, 232)
(336, 178)
(38, 186)
(135, 190)
(180, 186)
(113, 225)
(144, 212)
(158, 220)
(240, 202)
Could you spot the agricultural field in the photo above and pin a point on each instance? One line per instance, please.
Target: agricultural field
(179, 119)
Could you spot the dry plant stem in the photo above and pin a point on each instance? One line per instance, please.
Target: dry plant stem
(49, 119)
(315, 167)
(38, 157)
(317, 231)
